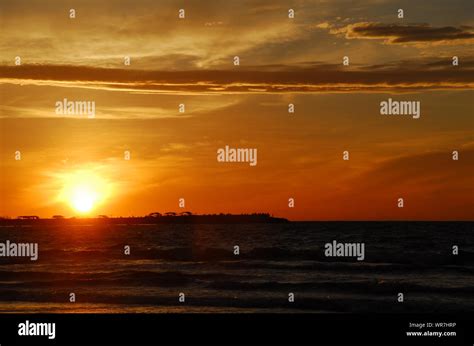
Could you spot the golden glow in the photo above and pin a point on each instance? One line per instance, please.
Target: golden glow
(83, 198)
(84, 191)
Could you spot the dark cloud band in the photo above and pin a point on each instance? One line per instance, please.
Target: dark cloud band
(394, 33)
(283, 79)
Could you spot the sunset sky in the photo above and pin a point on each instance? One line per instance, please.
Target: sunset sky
(190, 61)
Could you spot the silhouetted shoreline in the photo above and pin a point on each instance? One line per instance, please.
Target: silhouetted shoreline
(153, 218)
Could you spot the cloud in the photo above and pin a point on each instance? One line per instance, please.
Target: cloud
(124, 110)
(324, 25)
(422, 171)
(150, 33)
(401, 34)
(443, 186)
(301, 78)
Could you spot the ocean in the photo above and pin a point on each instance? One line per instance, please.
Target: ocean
(274, 260)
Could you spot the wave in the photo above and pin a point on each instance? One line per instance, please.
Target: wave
(228, 281)
(328, 302)
(274, 254)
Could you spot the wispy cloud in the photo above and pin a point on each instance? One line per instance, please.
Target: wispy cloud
(402, 34)
(302, 78)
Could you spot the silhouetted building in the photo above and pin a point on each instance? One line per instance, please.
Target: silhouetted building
(156, 214)
(28, 217)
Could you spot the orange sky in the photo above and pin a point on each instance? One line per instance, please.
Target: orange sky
(190, 61)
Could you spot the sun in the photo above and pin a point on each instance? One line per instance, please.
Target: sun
(83, 198)
(84, 190)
